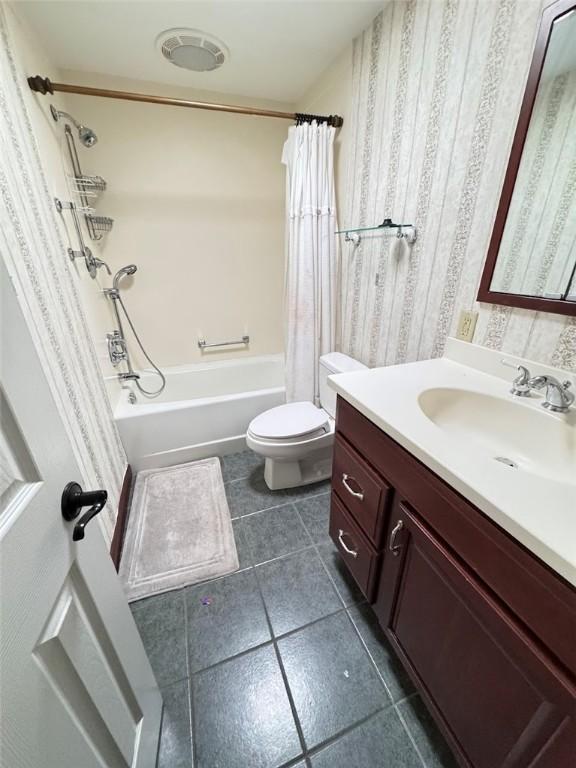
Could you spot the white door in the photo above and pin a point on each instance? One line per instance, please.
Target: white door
(76, 687)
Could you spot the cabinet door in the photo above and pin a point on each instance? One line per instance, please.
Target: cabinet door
(499, 699)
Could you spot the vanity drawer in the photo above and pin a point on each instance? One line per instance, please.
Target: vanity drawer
(364, 493)
(361, 558)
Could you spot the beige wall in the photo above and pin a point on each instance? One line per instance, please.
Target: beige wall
(436, 90)
(331, 94)
(56, 296)
(198, 203)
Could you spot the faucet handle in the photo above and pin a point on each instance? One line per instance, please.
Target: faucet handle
(558, 398)
(520, 385)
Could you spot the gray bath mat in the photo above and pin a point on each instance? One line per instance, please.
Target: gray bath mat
(179, 530)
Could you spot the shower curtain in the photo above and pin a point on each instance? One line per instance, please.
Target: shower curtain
(311, 256)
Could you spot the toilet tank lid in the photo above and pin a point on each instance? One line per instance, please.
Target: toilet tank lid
(337, 362)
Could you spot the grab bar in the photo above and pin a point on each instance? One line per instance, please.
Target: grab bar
(203, 344)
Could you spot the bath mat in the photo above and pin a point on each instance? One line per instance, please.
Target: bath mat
(179, 530)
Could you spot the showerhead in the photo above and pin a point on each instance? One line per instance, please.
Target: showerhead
(129, 269)
(86, 135)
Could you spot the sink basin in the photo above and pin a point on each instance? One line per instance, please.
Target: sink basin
(518, 436)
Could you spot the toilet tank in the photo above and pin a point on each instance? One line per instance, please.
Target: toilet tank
(334, 362)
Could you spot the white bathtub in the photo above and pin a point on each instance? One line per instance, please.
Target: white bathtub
(204, 410)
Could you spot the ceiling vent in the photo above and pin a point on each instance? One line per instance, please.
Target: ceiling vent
(192, 49)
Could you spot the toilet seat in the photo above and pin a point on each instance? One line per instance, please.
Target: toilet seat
(291, 420)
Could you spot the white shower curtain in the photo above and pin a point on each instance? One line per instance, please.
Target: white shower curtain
(311, 257)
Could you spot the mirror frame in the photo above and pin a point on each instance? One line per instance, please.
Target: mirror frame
(485, 294)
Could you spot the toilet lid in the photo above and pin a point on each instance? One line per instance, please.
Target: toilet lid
(290, 420)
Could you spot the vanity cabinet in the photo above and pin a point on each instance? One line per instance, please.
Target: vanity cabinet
(486, 630)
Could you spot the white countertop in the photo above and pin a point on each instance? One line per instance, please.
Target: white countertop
(538, 511)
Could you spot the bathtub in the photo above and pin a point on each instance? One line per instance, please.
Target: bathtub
(204, 410)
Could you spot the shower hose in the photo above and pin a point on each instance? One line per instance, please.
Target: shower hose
(152, 363)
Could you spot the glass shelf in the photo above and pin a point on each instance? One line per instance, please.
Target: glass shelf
(371, 229)
(387, 226)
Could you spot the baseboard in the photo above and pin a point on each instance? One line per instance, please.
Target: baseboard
(121, 518)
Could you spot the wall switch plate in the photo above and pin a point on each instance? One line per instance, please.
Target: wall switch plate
(466, 325)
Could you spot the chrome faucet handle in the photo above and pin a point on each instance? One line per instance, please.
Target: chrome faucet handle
(100, 263)
(117, 351)
(558, 398)
(520, 385)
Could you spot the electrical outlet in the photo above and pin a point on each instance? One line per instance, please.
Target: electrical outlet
(466, 325)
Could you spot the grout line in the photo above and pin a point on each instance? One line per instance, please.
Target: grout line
(284, 556)
(285, 680)
(285, 502)
(272, 639)
(409, 732)
(313, 751)
(191, 709)
(380, 675)
(235, 657)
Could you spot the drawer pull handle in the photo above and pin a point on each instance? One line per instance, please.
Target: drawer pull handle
(343, 545)
(395, 548)
(351, 491)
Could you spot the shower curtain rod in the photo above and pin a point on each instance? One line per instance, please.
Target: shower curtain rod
(43, 85)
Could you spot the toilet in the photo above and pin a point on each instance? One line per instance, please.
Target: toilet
(296, 439)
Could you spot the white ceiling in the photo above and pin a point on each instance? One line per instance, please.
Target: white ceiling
(277, 47)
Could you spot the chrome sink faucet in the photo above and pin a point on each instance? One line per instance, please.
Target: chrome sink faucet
(558, 398)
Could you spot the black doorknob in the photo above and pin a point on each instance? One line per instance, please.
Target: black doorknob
(73, 499)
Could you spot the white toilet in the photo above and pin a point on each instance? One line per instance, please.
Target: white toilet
(296, 439)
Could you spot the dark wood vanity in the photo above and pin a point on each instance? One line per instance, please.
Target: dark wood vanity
(485, 629)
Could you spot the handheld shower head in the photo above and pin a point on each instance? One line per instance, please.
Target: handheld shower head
(86, 135)
(129, 269)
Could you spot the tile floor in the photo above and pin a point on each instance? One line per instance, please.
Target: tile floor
(286, 665)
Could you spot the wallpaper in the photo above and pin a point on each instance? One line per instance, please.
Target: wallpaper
(35, 255)
(437, 88)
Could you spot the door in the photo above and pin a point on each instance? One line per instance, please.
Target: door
(500, 698)
(76, 687)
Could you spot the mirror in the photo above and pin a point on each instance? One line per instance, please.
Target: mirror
(532, 257)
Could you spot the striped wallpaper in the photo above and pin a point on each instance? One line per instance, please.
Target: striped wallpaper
(34, 252)
(437, 88)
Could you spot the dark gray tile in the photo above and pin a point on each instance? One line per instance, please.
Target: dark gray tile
(389, 666)
(333, 682)
(251, 494)
(241, 464)
(431, 744)
(315, 514)
(176, 737)
(242, 548)
(232, 621)
(380, 741)
(242, 716)
(161, 623)
(296, 591)
(275, 532)
(346, 587)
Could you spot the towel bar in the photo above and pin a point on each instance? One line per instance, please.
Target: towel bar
(203, 344)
